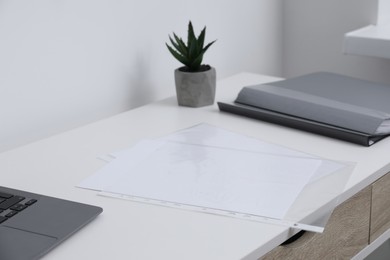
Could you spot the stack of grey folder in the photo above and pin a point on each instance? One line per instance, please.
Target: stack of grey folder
(326, 103)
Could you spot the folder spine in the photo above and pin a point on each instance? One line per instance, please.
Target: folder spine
(300, 123)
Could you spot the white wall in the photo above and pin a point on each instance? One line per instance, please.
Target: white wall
(383, 12)
(64, 63)
(314, 35)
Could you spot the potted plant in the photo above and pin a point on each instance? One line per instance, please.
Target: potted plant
(195, 82)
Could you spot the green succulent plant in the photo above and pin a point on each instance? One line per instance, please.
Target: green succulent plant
(190, 54)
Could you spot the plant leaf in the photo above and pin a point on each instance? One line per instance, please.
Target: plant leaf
(201, 38)
(207, 46)
(191, 34)
(175, 45)
(182, 46)
(193, 53)
(196, 63)
(178, 56)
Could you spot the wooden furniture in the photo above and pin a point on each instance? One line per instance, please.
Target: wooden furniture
(380, 207)
(354, 224)
(131, 230)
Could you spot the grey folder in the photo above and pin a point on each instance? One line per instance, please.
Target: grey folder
(339, 106)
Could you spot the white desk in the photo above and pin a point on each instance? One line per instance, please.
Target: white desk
(130, 230)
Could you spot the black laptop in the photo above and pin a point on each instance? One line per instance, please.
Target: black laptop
(32, 224)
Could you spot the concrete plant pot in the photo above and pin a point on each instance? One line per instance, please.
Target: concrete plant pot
(195, 89)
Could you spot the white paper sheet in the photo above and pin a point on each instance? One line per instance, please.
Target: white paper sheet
(209, 167)
(208, 135)
(225, 179)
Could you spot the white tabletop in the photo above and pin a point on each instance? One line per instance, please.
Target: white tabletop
(131, 230)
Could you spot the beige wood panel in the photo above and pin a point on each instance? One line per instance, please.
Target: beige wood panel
(346, 233)
(380, 207)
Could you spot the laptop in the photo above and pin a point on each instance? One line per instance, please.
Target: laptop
(32, 224)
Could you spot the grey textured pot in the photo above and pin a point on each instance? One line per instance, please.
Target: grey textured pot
(195, 89)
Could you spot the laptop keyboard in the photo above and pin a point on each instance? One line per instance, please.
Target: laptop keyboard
(11, 204)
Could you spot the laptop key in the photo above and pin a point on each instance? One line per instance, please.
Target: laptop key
(18, 207)
(10, 202)
(5, 195)
(11, 214)
(30, 202)
(2, 219)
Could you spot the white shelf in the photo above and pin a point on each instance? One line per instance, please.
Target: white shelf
(373, 40)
